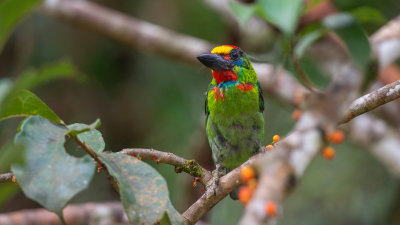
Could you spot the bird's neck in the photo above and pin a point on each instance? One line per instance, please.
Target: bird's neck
(224, 76)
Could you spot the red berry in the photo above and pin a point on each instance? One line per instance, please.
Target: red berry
(269, 147)
(245, 194)
(328, 152)
(271, 209)
(335, 137)
(276, 138)
(246, 173)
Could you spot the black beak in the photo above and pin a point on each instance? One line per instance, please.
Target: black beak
(215, 62)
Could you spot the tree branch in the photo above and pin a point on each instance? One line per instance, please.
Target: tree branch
(226, 185)
(141, 35)
(372, 100)
(89, 213)
(6, 177)
(188, 166)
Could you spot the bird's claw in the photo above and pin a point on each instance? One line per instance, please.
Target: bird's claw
(214, 182)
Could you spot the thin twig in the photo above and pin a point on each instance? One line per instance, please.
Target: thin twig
(100, 163)
(6, 177)
(372, 100)
(188, 166)
(89, 213)
(141, 35)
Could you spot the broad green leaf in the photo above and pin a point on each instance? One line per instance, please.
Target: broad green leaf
(283, 13)
(11, 11)
(173, 215)
(144, 192)
(306, 41)
(78, 128)
(353, 36)
(314, 72)
(18, 102)
(88, 135)
(366, 14)
(165, 220)
(243, 12)
(50, 176)
(25, 103)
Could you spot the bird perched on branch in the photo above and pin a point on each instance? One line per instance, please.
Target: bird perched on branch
(234, 108)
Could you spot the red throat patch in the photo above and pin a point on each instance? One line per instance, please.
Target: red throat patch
(224, 75)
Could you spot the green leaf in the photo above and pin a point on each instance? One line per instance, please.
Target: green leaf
(307, 40)
(366, 14)
(173, 215)
(78, 128)
(88, 134)
(144, 192)
(353, 36)
(165, 220)
(18, 102)
(243, 12)
(50, 176)
(25, 103)
(11, 11)
(282, 13)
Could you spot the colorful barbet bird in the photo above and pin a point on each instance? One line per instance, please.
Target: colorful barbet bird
(234, 107)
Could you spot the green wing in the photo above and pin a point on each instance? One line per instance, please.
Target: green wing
(206, 109)
(261, 97)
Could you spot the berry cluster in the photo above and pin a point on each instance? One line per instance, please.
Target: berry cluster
(335, 137)
(248, 177)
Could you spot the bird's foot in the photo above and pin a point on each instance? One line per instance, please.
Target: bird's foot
(214, 182)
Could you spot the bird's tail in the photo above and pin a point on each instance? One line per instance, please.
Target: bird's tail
(235, 194)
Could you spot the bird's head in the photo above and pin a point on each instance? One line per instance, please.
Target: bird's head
(228, 63)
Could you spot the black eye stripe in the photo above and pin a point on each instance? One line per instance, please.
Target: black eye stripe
(235, 54)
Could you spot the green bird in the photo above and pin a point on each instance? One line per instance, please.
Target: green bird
(234, 108)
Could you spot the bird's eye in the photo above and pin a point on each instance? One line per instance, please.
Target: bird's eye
(234, 54)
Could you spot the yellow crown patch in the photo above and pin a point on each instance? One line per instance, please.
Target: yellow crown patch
(223, 49)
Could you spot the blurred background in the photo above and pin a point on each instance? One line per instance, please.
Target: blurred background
(145, 100)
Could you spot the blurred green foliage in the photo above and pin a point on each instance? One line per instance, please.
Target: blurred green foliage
(147, 101)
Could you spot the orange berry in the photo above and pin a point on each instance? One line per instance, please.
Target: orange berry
(252, 184)
(246, 173)
(269, 147)
(296, 114)
(328, 152)
(13, 179)
(245, 194)
(276, 138)
(271, 209)
(335, 137)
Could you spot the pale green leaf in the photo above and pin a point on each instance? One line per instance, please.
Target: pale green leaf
(11, 11)
(25, 103)
(144, 192)
(243, 12)
(50, 176)
(352, 35)
(282, 13)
